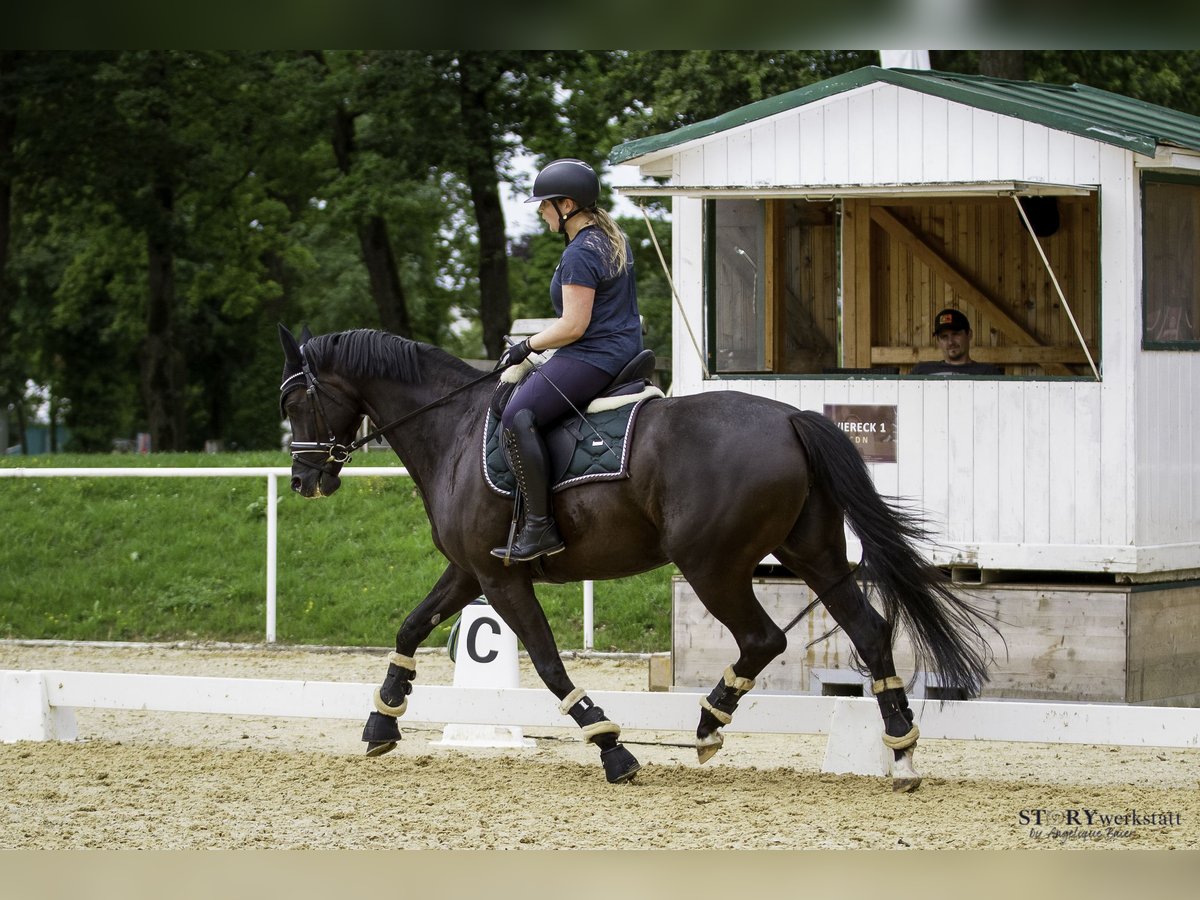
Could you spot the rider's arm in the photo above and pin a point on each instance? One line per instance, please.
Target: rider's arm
(576, 315)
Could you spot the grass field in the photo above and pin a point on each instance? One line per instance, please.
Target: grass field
(120, 559)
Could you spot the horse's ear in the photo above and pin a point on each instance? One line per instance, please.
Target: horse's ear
(291, 349)
(305, 335)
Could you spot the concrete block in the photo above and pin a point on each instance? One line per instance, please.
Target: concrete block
(855, 743)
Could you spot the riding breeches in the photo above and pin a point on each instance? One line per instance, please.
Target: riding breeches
(554, 389)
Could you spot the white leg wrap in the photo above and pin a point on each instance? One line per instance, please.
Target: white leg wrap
(570, 700)
(394, 711)
(886, 684)
(590, 732)
(720, 715)
(904, 741)
(404, 662)
(736, 681)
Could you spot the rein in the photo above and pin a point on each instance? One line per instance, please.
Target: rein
(335, 450)
(366, 439)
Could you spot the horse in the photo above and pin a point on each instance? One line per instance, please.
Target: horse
(716, 482)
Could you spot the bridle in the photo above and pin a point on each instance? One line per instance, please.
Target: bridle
(332, 449)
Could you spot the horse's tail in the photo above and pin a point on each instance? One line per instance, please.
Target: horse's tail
(944, 628)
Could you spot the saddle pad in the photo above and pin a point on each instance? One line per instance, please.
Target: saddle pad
(578, 454)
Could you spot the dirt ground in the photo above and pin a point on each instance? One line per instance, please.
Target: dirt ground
(179, 781)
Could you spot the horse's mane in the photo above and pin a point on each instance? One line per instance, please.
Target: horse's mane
(367, 353)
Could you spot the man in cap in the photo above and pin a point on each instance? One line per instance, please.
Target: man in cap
(952, 331)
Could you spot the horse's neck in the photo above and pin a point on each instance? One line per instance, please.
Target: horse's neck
(431, 439)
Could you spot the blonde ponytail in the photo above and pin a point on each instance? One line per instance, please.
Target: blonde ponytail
(618, 260)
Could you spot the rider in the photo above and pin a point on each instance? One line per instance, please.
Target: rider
(597, 332)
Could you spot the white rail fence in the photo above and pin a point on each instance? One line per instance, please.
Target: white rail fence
(39, 705)
(271, 474)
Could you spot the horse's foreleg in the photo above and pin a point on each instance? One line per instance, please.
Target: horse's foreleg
(517, 604)
(716, 710)
(454, 590)
(619, 764)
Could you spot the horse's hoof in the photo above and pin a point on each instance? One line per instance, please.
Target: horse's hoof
(707, 747)
(380, 734)
(904, 777)
(619, 764)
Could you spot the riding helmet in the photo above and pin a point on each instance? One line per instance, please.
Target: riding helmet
(571, 178)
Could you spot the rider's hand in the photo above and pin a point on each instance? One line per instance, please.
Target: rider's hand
(515, 354)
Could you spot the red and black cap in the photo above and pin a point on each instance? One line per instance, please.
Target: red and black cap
(950, 320)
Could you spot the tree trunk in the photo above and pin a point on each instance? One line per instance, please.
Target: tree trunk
(22, 426)
(8, 125)
(163, 368)
(1008, 64)
(495, 302)
(386, 288)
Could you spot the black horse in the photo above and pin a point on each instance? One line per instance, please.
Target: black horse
(717, 482)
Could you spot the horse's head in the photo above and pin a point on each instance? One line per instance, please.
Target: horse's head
(324, 417)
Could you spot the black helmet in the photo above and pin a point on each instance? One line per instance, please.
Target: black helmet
(571, 178)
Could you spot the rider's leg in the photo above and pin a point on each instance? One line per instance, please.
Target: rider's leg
(527, 456)
(558, 387)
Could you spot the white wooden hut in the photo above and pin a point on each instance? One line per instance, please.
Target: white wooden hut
(816, 234)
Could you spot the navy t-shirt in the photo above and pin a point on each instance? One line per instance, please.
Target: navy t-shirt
(614, 335)
(944, 368)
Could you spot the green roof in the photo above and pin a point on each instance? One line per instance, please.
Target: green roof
(1077, 109)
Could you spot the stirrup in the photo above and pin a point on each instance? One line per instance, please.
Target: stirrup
(527, 555)
(549, 542)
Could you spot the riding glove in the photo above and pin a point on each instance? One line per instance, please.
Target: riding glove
(515, 354)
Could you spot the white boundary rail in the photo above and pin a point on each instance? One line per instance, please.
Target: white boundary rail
(40, 704)
(271, 473)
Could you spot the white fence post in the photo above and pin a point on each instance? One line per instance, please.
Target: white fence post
(272, 541)
(589, 599)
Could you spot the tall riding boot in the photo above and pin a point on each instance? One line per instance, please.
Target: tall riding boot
(527, 455)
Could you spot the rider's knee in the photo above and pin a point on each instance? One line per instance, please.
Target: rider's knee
(524, 418)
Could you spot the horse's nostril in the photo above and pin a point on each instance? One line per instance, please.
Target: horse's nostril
(296, 483)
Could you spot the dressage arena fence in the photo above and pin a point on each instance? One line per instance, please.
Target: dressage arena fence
(272, 474)
(38, 705)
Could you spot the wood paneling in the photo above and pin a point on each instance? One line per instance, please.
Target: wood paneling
(1094, 644)
(976, 254)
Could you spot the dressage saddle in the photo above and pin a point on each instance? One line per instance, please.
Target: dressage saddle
(564, 440)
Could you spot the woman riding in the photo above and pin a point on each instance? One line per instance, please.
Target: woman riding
(597, 332)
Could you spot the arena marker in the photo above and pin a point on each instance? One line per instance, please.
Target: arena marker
(484, 650)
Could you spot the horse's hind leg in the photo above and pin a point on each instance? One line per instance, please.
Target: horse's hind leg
(831, 578)
(730, 598)
(513, 598)
(453, 591)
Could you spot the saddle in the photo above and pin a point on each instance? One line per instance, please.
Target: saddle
(591, 447)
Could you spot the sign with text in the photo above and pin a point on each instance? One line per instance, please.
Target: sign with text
(871, 428)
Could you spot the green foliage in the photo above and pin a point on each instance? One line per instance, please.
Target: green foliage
(183, 559)
(673, 88)
(228, 165)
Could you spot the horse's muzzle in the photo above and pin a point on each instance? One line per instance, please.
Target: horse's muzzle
(323, 484)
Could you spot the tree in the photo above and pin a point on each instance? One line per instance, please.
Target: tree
(660, 90)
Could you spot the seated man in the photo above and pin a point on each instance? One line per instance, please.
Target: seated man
(953, 334)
